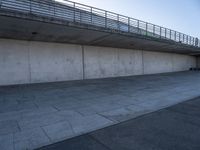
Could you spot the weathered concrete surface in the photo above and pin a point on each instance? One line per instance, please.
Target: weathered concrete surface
(183, 62)
(36, 115)
(55, 62)
(101, 62)
(156, 62)
(35, 62)
(173, 128)
(14, 62)
(198, 61)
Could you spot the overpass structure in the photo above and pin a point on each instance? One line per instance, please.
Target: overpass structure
(45, 41)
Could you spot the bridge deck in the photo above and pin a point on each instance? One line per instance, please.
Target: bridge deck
(80, 24)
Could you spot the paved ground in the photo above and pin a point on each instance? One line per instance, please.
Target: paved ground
(32, 116)
(174, 128)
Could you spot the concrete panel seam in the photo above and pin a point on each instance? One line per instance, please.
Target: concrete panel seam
(143, 62)
(83, 61)
(172, 60)
(29, 62)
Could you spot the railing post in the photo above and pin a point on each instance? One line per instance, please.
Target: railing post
(160, 32)
(165, 33)
(80, 16)
(193, 42)
(91, 15)
(154, 30)
(175, 36)
(128, 24)
(106, 15)
(146, 28)
(187, 39)
(196, 42)
(118, 24)
(30, 6)
(170, 34)
(54, 5)
(138, 26)
(74, 17)
(1, 3)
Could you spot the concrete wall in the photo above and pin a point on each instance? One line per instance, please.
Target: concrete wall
(198, 61)
(102, 62)
(183, 62)
(14, 62)
(155, 62)
(34, 62)
(55, 62)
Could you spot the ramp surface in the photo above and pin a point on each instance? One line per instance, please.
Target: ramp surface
(173, 128)
(32, 116)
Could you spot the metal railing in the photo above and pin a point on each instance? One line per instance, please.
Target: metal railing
(80, 13)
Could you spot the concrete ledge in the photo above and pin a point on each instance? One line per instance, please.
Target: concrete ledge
(77, 33)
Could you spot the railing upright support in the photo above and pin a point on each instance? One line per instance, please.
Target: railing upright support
(160, 32)
(175, 36)
(146, 28)
(118, 24)
(30, 6)
(106, 15)
(165, 33)
(91, 14)
(54, 6)
(74, 16)
(193, 41)
(1, 3)
(129, 24)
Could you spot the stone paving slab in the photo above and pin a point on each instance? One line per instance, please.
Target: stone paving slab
(40, 114)
(172, 128)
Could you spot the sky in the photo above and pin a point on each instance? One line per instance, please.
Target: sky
(179, 15)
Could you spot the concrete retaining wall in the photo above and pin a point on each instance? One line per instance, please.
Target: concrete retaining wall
(102, 62)
(55, 62)
(198, 61)
(34, 62)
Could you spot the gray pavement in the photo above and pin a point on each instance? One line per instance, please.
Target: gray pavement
(33, 116)
(173, 128)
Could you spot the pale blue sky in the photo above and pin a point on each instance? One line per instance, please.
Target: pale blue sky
(179, 15)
